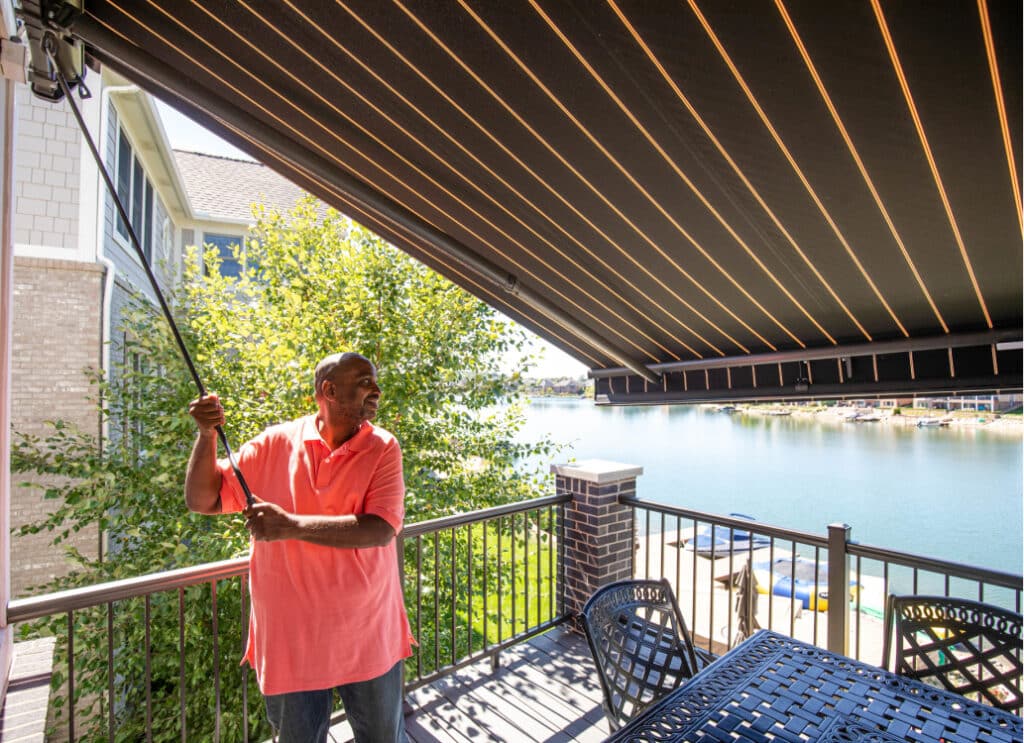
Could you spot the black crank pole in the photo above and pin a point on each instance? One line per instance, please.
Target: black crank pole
(48, 45)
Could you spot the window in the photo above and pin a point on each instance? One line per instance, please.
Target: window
(131, 426)
(226, 245)
(147, 222)
(124, 178)
(138, 177)
(167, 239)
(136, 194)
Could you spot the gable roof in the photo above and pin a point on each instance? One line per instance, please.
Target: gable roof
(698, 200)
(223, 188)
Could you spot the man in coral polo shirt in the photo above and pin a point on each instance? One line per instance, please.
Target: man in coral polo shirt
(327, 610)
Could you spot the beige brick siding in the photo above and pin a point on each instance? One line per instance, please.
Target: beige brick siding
(46, 178)
(57, 308)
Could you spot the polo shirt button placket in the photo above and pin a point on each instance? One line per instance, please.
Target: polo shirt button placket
(323, 476)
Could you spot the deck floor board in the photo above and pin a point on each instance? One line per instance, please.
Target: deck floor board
(546, 689)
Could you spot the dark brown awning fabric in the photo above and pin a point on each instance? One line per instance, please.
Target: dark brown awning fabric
(699, 200)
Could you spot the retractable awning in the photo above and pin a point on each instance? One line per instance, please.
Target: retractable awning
(699, 200)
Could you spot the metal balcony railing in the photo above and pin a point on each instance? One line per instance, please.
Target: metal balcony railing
(118, 603)
(474, 584)
(823, 589)
(479, 582)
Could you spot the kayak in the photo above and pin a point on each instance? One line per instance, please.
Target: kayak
(721, 541)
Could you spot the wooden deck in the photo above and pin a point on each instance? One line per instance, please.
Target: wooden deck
(545, 690)
(23, 710)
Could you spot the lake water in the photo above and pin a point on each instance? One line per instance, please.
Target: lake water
(950, 493)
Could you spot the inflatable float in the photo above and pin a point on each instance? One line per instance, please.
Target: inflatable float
(795, 577)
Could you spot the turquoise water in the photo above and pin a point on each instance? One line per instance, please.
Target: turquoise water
(950, 493)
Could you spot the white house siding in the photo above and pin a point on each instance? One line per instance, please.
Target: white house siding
(47, 180)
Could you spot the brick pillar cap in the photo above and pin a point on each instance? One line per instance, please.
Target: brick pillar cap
(599, 471)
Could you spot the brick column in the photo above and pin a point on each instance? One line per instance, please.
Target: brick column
(599, 537)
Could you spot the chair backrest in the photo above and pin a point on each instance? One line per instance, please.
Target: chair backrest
(964, 646)
(640, 645)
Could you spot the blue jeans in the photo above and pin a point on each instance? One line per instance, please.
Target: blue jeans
(374, 710)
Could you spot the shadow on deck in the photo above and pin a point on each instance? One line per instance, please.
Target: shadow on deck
(546, 689)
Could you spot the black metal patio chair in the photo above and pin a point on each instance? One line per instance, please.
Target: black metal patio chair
(640, 645)
(964, 646)
(746, 605)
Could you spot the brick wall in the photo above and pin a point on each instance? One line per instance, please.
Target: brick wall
(47, 157)
(599, 533)
(57, 308)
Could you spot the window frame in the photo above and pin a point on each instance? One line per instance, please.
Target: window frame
(229, 240)
(137, 194)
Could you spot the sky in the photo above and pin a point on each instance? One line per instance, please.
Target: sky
(185, 134)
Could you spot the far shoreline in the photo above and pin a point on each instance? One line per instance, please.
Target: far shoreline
(1010, 423)
(908, 417)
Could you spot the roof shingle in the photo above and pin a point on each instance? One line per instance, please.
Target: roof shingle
(223, 188)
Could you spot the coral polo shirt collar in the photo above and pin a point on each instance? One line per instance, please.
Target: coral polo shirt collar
(356, 443)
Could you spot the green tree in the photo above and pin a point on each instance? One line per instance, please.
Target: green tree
(314, 283)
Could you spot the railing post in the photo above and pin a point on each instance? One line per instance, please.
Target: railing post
(838, 589)
(7, 119)
(599, 540)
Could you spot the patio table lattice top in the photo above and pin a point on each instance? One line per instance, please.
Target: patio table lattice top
(774, 688)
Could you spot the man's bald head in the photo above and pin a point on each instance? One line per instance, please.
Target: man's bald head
(330, 364)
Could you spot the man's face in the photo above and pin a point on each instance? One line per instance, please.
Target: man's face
(353, 390)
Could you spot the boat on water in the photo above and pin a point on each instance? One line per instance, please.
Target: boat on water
(721, 541)
(863, 418)
(800, 578)
(933, 422)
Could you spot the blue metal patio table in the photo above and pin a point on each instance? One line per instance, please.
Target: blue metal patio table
(775, 688)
